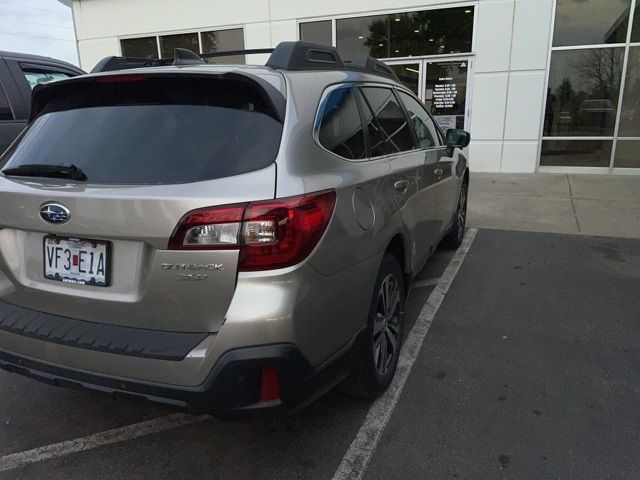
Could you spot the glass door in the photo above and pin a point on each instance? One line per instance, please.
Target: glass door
(445, 92)
(442, 87)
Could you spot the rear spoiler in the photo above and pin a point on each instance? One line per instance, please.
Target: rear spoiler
(44, 93)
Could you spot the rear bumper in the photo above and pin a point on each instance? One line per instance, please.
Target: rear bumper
(232, 390)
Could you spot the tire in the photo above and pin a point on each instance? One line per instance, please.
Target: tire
(453, 239)
(374, 367)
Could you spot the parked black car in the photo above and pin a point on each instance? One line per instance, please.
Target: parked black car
(19, 72)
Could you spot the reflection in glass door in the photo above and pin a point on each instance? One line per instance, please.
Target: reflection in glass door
(442, 87)
(409, 75)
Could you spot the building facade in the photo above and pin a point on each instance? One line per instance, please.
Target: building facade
(542, 85)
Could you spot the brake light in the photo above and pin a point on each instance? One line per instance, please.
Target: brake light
(269, 234)
(129, 77)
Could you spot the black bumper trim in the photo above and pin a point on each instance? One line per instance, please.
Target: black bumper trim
(231, 390)
(135, 342)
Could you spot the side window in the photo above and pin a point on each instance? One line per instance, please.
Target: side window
(388, 129)
(425, 127)
(341, 130)
(42, 75)
(5, 107)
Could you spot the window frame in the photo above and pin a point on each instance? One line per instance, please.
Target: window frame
(42, 67)
(615, 137)
(197, 31)
(392, 11)
(3, 92)
(317, 121)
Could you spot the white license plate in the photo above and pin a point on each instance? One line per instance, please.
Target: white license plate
(76, 260)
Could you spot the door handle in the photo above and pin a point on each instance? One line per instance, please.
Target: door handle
(438, 172)
(401, 185)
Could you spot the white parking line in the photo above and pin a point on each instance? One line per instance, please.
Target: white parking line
(425, 283)
(355, 461)
(109, 437)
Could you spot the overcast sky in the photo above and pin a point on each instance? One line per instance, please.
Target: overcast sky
(42, 27)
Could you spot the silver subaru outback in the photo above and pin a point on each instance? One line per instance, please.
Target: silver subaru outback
(229, 239)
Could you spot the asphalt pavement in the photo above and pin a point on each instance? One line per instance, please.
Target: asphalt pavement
(530, 369)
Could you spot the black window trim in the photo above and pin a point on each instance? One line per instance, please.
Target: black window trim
(320, 112)
(47, 66)
(3, 91)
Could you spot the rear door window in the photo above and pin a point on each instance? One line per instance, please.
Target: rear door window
(341, 129)
(153, 129)
(423, 124)
(35, 76)
(388, 128)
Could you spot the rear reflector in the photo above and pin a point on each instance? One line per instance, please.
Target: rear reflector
(269, 234)
(269, 384)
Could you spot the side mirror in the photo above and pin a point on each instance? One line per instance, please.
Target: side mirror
(457, 139)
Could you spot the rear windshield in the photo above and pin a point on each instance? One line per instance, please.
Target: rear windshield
(153, 130)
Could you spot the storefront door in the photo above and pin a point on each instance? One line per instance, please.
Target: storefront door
(442, 87)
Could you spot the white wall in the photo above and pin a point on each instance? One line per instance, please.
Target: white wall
(512, 46)
(511, 49)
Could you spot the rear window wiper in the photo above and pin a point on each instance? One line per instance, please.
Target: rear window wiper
(70, 172)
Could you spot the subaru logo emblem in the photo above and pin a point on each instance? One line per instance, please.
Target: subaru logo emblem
(54, 213)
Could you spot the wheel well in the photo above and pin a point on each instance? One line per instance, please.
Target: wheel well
(466, 177)
(397, 248)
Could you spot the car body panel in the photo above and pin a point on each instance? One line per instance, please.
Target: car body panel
(319, 305)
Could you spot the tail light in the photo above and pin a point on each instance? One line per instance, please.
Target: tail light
(270, 234)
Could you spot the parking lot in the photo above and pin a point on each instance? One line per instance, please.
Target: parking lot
(529, 369)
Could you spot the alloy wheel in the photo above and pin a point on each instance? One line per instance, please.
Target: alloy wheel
(386, 331)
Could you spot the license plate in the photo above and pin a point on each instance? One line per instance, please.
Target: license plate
(76, 260)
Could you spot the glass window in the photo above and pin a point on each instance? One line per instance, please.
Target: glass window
(627, 154)
(340, 128)
(317, 32)
(146, 47)
(630, 116)
(37, 75)
(224, 41)
(432, 32)
(576, 153)
(183, 40)
(392, 133)
(635, 32)
(584, 86)
(158, 131)
(5, 107)
(358, 37)
(425, 128)
(591, 22)
(409, 75)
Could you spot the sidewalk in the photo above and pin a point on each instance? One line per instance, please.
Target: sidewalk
(559, 203)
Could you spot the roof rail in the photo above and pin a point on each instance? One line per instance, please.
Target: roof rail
(371, 65)
(286, 56)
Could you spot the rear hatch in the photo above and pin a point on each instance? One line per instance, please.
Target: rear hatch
(94, 189)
